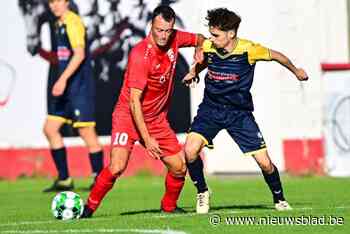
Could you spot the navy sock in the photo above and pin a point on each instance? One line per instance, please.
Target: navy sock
(59, 156)
(96, 161)
(195, 169)
(274, 182)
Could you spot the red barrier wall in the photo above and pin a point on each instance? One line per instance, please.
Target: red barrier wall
(304, 157)
(29, 162)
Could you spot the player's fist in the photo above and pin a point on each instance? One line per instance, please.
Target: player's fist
(190, 78)
(301, 74)
(59, 87)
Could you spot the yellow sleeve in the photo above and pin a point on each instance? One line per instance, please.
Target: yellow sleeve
(207, 46)
(258, 52)
(76, 31)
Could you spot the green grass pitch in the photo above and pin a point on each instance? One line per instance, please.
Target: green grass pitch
(133, 207)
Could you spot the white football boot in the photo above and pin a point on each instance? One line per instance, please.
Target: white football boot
(203, 203)
(282, 206)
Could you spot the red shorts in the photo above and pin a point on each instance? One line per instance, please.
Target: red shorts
(124, 134)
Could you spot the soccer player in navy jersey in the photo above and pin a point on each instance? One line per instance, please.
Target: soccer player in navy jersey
(73, 94)
(227, 102)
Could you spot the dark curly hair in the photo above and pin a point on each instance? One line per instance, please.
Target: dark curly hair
(223, 19)
(165, 11)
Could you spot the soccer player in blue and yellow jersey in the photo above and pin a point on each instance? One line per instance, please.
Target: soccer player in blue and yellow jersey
(73, 94)
(227, 102)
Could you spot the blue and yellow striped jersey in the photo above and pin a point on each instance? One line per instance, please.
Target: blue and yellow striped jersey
(230, 76)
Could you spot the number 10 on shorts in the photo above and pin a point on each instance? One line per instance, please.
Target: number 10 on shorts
(121, 138)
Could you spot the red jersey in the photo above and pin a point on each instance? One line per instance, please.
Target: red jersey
(152, 70)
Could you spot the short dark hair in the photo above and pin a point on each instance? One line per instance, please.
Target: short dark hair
(224, 19)
(165, 11)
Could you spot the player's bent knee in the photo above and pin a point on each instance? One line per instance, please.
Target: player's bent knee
(266, 167)
(50, 132)
(191, 153)
(179, 173)
(117, 167)
(180, 170)
(119, 160)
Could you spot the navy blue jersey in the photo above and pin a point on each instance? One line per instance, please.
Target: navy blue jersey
(230, 76)
(71, 34)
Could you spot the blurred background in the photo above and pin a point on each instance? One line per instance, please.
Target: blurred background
(306, 125)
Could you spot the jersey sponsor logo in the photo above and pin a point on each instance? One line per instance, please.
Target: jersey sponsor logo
(222, 76)
(63, 53)
(121, 138)
(171, 55)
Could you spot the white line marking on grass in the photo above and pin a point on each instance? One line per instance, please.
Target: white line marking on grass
(47, 222)
(146, 231)
(25, 223)
(341, 207)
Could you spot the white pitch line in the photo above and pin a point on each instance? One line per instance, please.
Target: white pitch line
(25, 223)
(145, 231)
(47, 222)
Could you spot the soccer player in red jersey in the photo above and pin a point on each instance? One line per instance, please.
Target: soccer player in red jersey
(141, 111)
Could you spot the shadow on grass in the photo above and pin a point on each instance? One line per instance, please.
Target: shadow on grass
(136, 212)
(240, 207)
(83, 189)
(212, 209)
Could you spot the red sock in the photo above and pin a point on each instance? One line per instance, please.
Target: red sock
(104, 183)
(173, 187)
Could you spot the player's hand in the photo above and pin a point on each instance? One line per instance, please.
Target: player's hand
(301, 74)
(59, 87)
(190, 79)
(153, 148)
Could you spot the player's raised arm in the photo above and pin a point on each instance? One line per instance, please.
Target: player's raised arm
(199, 53)
(286, 62)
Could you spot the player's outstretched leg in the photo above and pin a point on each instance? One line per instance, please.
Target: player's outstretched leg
(59, 156)
(88, 134)
(193, 146)
(106, 180)
(272, 179)
(174, 182)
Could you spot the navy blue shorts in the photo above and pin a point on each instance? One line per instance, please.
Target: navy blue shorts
(240, 125)
(76, 110)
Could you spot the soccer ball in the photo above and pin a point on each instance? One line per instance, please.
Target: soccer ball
(67, 205)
